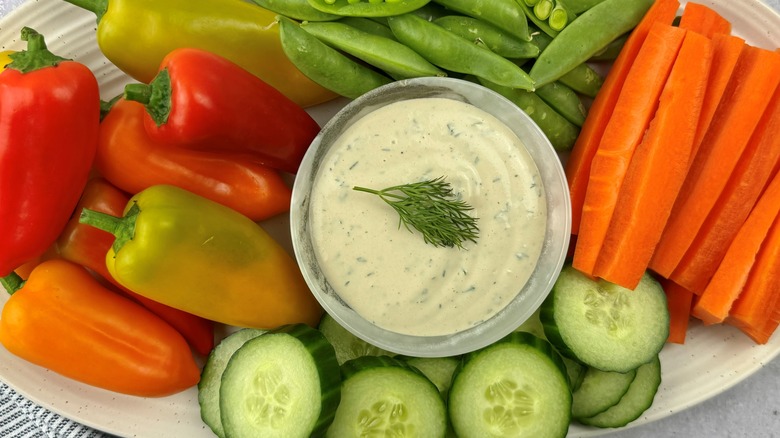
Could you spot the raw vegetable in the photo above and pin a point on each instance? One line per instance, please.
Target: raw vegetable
(382, 396)
(234, 29)
(704, 20)
(196, 255)
(454, 53)
(5, 59)
(585, 36)
(87, 246)
(347, 345)
(438, 370)
(367, 8)
(49, 116)
(132, 161)
(753, 83)
(102, 339)
(637, 400)
(630, 119)
(611, 52)
(604, 325)
(300, 10)
(515, 387)
(504, 14)
(656, 170)
(369, 26)
(582, 78)
(679, 300)
(202, 101)
(481, 32)
(600, 112)
(211, 377)
(599, 391)
(580, 6)
(282, 384)
(564, 100)
(325, 65)
(744, 185)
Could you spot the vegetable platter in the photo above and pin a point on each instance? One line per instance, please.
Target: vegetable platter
(712, 359)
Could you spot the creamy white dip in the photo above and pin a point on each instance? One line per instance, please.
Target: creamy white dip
(389, 275)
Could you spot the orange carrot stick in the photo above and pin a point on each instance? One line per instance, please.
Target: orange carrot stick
(578, 163)
(750, 176)
(755, 311)
(657, 169)
(747, 95)
(704, 20)
(678, 300)
(729, 279)
(632, 114)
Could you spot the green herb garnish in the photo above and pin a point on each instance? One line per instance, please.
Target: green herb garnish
(431, 208)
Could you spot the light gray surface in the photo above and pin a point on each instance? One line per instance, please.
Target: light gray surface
(750, 409)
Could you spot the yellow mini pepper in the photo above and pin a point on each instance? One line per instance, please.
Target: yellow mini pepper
(135, 35)
(199, 256)
(5, 59)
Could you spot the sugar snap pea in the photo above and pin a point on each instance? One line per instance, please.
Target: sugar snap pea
(580, 6)
(504, 14)
(367, 8)
(586, 35)
(561, 133)
(612, 50)
(296, 9)
(564, 101)
(583, 78)
(495, 39)
(325, 65)
(398, 60)
(538, 23)
(368, 25)
(452, 52)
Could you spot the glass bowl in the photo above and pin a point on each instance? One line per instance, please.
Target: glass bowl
(529, 295)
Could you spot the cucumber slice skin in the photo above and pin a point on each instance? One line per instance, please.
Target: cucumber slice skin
(635, 402)
(279, 351)
(599, 391)
(603, 325)
(494, 388)
(347, 345)
(211, 375)
(386, 392)
(438, 370)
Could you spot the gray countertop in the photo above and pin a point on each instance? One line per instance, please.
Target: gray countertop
(749, 409)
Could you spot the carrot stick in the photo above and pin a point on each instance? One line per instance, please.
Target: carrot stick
(633, 111)
(726, 51)
(753, 82)
(679, 301)
(743, 188)
(755, 312)
(714, 303)
(657, 170)
(704, 20)
(578, 163)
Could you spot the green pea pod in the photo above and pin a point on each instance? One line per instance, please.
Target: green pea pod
(432, 11)
(612, 50)
(386, 54)
(451, 52)
(504, 14)
(583, 78)
(369, 26)
(367, 8)
(564, 101)
(296, 9)
(561, 133)
(325, 65)
(495, 39)
(580, 6)
(540, 24)
(585, 36)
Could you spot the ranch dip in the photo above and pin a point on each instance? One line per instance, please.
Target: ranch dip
(389, 275)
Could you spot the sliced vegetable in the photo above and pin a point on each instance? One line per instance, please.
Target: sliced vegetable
(680, 301)
(283, 384)
(604, 325)
(515, 387)
(347, 345)
(599, 391)
(630, 119)
(704, 20)
(384, 396)
(438, 370)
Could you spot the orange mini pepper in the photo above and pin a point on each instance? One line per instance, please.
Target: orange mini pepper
(62, 319)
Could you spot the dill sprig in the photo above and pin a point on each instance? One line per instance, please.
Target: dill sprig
(431, 208)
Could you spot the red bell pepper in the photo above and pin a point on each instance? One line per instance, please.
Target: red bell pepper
(49, 117)
(200, 100)
(88, 246)
(132, 161)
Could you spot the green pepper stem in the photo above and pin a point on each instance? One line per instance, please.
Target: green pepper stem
(36, 56)
(123, 228)
(138, 92)
(99, 7)
(156, 96)
(12, 282)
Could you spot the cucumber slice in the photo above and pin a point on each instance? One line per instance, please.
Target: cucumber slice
(599, 391)
(516, 387)
(576, 372)
(347, 345)
(210, 377)
(285, 383)
(384, 396)
(438, 370)
(603, 325)
(638, 398)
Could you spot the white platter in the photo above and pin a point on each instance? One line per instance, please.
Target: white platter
(712, 360)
